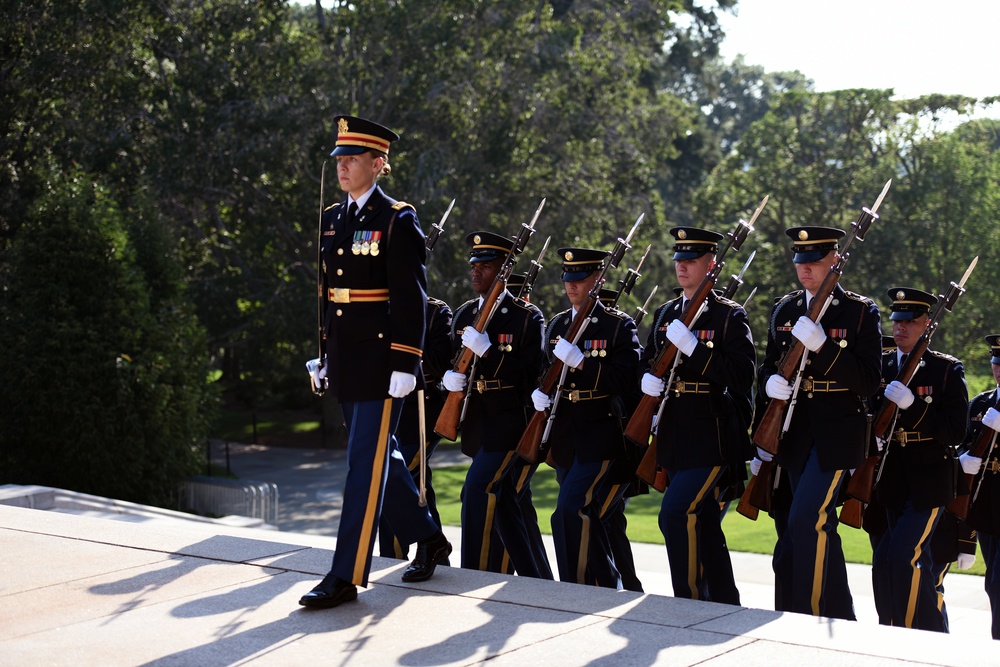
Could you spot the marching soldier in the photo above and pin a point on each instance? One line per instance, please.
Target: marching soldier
(509, 356)
(436, 360)
(372, 251)
(826, 435)
(984, 511)
(917, 477)
(587, 434)
(702, 434)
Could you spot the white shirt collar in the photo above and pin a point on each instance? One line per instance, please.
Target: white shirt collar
(363, 199)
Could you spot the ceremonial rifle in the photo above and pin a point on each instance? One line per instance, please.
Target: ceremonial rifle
(448, 420)
(537, 432)
(982, 448)
(437, 229)
(320, 297)
(648, 470)
(640, 424)
(775, 421)
(643, 310)
(863, 481)
(532, 274)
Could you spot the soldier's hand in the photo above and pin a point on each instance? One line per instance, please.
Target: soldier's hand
(778, 387)
(568, 353)
(965, 561)
(970, 464)
(652, 385)
(755, 466)
(764, 455)
(681, 336)
(317, 372)
(476, 341)
(453, 381)
(900, 394)
(992, 419)
(401, 384)
(810, 333)
(880, 444)
(541, 400)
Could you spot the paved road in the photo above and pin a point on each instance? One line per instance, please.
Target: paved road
(310, 483)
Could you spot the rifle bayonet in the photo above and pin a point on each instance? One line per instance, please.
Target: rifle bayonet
(437, 229)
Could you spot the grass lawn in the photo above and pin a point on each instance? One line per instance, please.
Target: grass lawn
(742, 534)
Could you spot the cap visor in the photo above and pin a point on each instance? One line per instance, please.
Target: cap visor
(348, 150)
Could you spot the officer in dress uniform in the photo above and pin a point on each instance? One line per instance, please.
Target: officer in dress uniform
(374, 279)
(509, 355)
(436, 360)
(984, 510)
(613, 515)
(953, 540)
(587, 436)
(826, 436)
(919, 468)
(702, 434)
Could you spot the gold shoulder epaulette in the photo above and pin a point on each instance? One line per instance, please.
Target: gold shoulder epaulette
(400, 205)
(329, 207)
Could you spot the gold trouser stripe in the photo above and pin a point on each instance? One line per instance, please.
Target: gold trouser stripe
(607, 501)
(522, 479)
(692, 532)
(491, 506)
(581, 563)
(911, 601)
(365, 540)
(397, 548)
(937, 587)
(818, 565)
(414, 462)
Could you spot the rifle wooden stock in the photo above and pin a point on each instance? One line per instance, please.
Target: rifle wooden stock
(852, 513)
(744, 507)
(862, 483)
(530, 445)
(648, 470)
(980, 449)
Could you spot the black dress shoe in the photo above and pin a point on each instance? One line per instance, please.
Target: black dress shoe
(430, 554)
(330, 592)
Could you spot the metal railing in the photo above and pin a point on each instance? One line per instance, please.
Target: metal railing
(218, 496)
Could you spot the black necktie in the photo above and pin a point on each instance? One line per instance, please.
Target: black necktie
(902, 362)
(352, 211)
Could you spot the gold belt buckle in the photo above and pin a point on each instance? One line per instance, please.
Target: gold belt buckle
(574, 396)
(807, 385)
(480, 386)
(901, 436)
(993, 466)
(341, 295)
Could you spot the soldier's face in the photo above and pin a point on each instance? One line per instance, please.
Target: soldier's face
(357, 173)
(906, 332)
(690, 272)
(996, 373)
(578, 290)
(481, 275)
(811, 274)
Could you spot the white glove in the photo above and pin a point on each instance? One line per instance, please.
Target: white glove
(453, 381)
(810, 333)
(965, 561)
(476, 341)
(316, 372)
(652, 385)
(764, 455)
(900, 394)
(970, 465)
(401, 384)
(541, 401)
(778, 387)
(755, 466)
(880, 444)
(681, 336)
(992, 419)
(568, 353)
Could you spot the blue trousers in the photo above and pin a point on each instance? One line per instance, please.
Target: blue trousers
(519, 501)
(490, 509)
(388, 543)
(377, 481)
(616, 525)
(809, 556)
(903, 579)
(990, 546)
(691, 523)
(583, 549)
